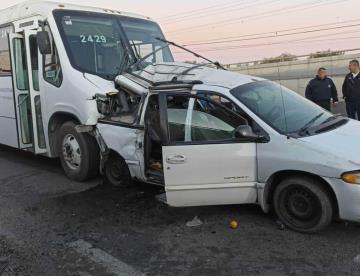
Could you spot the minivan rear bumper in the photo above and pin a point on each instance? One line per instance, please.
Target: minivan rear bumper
(348, 198)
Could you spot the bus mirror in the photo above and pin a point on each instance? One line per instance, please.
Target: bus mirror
(44, 43)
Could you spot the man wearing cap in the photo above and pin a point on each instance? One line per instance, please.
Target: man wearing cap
(351, 90)
(322, 90)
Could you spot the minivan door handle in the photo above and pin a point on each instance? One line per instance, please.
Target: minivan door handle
(176, 159)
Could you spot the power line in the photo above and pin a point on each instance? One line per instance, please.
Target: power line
(314, 41)
(279, 42)
(276, 35)
(295, 56)
(306, 40)
(295, 10)
(199, 10)
(277, 32)
(222, 10)
(261, 15)
(243, 17)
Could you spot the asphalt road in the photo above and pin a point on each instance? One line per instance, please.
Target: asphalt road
(50, 225)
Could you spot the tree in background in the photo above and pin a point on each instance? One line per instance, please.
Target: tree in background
(282, 57)
(327, 53)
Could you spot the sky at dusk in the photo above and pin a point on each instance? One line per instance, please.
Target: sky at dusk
(253, 29)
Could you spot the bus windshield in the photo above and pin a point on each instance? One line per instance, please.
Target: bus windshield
(105, 45)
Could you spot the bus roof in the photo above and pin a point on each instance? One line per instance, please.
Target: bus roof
(44, 8)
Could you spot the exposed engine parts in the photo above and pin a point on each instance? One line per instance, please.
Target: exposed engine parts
(119, 106)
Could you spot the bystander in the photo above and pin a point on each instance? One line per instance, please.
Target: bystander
(322, 90)
(351, 90)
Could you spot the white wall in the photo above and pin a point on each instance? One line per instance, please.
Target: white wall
(296, 74)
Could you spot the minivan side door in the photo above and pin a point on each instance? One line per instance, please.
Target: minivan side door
(203, 163)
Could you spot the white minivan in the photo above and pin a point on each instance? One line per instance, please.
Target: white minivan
(100, 90)
(213, 137)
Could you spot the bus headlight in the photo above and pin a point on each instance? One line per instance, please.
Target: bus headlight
(351, 177)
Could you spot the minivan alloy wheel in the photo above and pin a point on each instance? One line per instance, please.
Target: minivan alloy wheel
(71, 152)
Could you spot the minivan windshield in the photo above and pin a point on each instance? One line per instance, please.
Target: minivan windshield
(105, 45)
(281, 108)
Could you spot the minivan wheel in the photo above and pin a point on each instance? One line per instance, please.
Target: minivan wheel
(79, 153)
(303, 205)
(117, 171)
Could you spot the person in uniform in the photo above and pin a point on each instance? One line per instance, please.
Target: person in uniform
(351, 90)
(322, 90)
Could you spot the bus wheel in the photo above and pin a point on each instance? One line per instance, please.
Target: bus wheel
(303, 205)
(117, 171)
(79, 153)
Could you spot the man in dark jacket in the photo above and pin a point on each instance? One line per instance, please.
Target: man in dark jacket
(321, 90)
(351, 90)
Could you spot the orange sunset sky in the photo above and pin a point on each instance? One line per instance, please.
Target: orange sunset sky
(253, 29)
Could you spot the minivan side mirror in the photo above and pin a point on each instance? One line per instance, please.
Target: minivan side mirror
(44, 43)
(245, 132)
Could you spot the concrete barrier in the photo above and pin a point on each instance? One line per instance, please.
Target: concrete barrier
(296, 74)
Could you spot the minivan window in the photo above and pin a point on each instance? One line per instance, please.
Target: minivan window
(278, 106)
(199, 120)
(224, 101)
(219, 99)
(104, 45)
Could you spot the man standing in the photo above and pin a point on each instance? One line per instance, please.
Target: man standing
(351, 90)
(321, 90)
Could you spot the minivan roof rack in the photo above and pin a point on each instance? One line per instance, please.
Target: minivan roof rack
(168, 85)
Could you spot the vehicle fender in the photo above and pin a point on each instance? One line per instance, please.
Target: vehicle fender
(123, 140)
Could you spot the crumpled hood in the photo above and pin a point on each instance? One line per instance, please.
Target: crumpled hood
(164, 72)
(342, 143)
(103, 86)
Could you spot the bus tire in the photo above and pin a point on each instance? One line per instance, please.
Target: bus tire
(117, 171)
(79, 153)
(303, 204)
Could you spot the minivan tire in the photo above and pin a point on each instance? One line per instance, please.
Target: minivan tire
(79, 153)
(303, 205)
(117, 172)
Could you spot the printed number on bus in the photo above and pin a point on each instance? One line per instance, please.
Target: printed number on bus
(93, 39)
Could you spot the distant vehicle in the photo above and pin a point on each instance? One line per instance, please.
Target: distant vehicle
(100, 90)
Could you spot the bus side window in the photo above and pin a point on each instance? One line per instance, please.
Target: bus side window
(52, 66)
(5, 67)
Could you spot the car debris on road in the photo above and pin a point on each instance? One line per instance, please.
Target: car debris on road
(195, 222)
